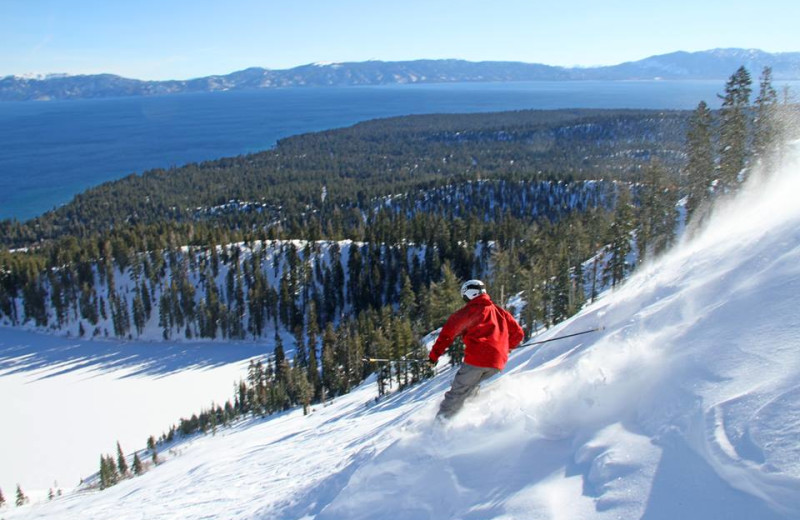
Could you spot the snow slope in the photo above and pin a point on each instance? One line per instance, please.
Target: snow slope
(64, 402)
(687, 405)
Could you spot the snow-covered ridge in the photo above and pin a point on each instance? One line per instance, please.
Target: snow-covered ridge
(36, 76)
(115, 305)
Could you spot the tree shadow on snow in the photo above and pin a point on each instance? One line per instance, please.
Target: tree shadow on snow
(51, 356)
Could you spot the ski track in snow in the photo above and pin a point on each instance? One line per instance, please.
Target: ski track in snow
(686, 405)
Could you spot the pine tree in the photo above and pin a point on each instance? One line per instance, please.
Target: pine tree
(657, 215)
(213, 414)
(21, 498)
(312, 331)
(331, 375)
(444, 298)
(152, 446)
(300, 352)
(402, 339)
(378, 345)
(108, 472)
(408, 300)
(766, 132)
(594, 273)
(137, 465)
(112, 469)
(255, 373)
(532, 314)
(2, 499)
(699, 172)
(561, 289)
(280, 355)
(352, 355)
(305, 392)
(104, 478)
(122, 465)
(733, 128)
(138, 313)
(505, 273)
(620, 239)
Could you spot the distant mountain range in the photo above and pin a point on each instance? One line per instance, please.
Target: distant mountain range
(713, 64)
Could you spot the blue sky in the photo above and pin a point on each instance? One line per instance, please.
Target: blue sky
(180, 39)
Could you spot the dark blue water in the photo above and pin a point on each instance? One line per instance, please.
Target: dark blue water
(50, 151)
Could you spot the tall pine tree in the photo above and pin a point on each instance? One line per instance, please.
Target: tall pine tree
(331, 370)
(620, 239)
(122, 465)
(734, 129)
(312, 331)
(137, 465)
(699, 172)
(766, 132)
(657, 216)
(561, 288)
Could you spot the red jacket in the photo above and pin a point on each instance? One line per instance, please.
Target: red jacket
(488, 331)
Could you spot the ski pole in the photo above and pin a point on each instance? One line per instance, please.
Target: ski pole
(564, 337)
(377, 360)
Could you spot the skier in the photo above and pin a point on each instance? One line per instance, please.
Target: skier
(489, 333)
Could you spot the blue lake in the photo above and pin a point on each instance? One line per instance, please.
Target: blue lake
(50, 151)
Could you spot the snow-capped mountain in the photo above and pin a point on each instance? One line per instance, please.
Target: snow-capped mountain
(713, 64)
(686, 405)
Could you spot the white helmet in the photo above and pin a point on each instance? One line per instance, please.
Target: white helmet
(471, 289)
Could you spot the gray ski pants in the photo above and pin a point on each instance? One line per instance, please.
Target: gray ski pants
(465, 385)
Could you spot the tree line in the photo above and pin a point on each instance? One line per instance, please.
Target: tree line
(743, 138)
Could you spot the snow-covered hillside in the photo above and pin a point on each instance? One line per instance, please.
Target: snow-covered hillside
(65, 402)
(246, 290)
(687, 405)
